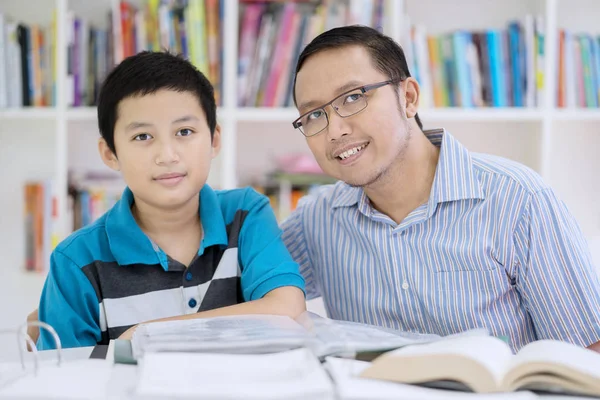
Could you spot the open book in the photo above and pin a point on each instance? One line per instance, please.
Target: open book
(486, 364)
(255, 334)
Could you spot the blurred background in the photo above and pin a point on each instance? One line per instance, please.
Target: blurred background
(516, 78)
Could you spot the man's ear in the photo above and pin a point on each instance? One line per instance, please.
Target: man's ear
(108, 157)
(216, 141)
(412, 93)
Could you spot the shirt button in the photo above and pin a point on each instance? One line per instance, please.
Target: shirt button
(192, 303)
(188, 276)
(405, 285)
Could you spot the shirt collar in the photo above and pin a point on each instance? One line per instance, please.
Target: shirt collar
(130, 245)
(454, 179)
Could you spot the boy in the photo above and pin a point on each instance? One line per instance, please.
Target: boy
(172, 247)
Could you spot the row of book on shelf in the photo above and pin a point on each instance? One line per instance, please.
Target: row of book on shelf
(493, 67)
(578, 70)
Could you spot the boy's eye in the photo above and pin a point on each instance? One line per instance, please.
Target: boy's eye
(184, 132)
(142, 137)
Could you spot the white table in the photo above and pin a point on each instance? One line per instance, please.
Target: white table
(124, 381)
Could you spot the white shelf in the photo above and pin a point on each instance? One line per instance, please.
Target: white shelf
(481, 114)
(90, 114)
(265, 114)
(576, 114)
(431, 114)
(82, 114)
(28, 113)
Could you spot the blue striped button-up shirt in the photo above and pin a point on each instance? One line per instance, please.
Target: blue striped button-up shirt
(492, 248)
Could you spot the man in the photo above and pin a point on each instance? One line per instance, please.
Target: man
(420, 234)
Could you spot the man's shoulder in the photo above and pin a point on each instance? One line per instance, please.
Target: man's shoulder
(87, 244)
(498, 171)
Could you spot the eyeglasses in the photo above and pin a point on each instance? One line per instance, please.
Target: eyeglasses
(345, 105)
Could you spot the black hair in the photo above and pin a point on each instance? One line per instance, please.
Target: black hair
(146, 73)
(387, 55)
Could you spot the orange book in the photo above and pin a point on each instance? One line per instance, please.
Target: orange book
(561, 69)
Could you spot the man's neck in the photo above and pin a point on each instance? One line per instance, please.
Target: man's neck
(407, 185)
(158, 223)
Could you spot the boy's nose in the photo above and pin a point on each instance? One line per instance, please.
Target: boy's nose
(167, 155)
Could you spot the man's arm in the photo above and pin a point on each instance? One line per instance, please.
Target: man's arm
(555, 275)
(294, 237)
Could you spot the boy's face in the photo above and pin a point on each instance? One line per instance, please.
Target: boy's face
(163, 147)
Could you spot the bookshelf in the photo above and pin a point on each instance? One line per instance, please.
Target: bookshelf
(559, 143)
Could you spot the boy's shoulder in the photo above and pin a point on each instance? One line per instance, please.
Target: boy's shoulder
(243, 199)
(87, 244)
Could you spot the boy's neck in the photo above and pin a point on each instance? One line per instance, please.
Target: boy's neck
(161, 224)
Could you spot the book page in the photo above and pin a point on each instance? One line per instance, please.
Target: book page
(490, 352)
(349, 386)
(234, 334)
(295, 374)
(337, 337)
(559, 353)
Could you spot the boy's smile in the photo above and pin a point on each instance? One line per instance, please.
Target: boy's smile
(170, 179)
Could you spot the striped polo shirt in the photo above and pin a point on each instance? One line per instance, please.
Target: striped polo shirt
(110, 276)
(492, 248)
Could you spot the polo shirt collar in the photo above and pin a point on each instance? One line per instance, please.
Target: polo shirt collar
(130, 245)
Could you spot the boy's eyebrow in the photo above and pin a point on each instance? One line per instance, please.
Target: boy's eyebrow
(137, 125)
(186, 118)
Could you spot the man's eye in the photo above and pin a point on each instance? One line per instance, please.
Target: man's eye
(314, 115)
(142, 137)
(353, 98)
(185, 132)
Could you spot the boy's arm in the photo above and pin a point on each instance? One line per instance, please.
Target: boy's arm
(287, 301)
(70, 305)
(271, 282)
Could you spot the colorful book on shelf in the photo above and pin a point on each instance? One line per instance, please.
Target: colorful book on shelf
(271, 42)
(40, 214)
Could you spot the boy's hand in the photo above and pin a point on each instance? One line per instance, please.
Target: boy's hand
(32, 330)
(128, 333)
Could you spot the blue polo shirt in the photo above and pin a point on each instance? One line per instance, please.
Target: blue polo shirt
(109, 276)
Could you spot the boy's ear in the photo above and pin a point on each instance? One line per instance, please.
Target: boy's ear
(108, 157)
(216, 141)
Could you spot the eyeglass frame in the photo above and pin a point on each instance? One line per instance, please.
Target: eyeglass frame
(364, 89)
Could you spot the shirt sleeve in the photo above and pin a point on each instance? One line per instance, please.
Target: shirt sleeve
(265, 261)
(70, 305)
(294, 238)
(555, 273)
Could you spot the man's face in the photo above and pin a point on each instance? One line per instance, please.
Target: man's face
(377, 136)
(163, 147)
